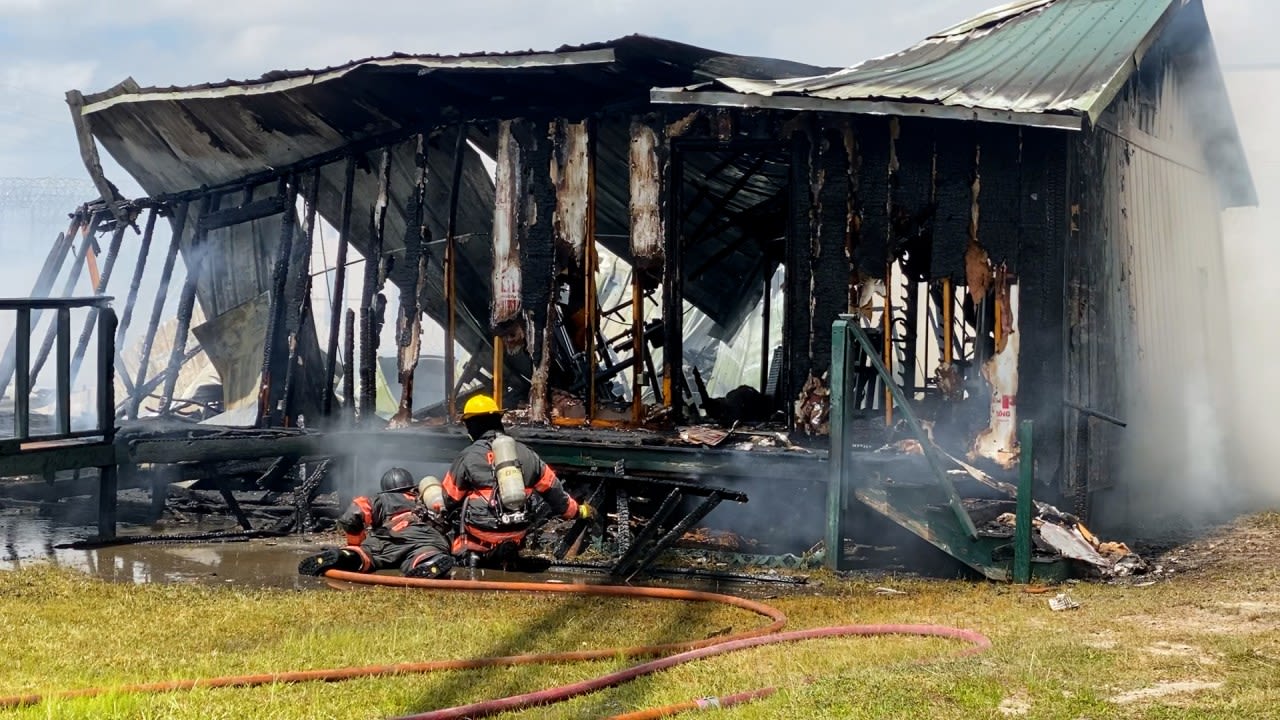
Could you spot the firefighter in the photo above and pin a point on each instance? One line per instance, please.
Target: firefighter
(391, 530)
(491, 487)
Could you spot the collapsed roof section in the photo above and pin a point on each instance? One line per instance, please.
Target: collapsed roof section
(177, 140)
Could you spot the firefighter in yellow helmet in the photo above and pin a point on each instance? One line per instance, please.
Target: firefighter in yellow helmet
(490, 484)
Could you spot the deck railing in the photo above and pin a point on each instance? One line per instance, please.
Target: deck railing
(17, 364)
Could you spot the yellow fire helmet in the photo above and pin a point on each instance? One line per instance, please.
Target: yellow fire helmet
(479, 405)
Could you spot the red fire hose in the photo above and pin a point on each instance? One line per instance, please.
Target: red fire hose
(683, 652)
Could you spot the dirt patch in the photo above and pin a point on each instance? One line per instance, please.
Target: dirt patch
(1252, 542)
(1214, 620)
(1015, 706)
(1179, 650)
(1162, 690)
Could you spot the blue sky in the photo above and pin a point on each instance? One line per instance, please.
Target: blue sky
(50, 46)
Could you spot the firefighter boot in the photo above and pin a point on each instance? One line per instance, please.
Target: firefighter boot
(329, 560)
(434, 566)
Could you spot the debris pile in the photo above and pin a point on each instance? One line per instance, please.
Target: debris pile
(1065, 535)
(813, 406)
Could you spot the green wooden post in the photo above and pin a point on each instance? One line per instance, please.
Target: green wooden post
(1022, 529)
(836, 491)
(930, 452)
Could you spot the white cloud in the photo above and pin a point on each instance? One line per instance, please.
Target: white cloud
(26, 76)
(8, 7)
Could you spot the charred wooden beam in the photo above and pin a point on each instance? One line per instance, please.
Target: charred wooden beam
(451, 274)
(672, 257)
(144, 251)
(248, 212)
(148, 388)
(625, 563)
(873, 180)
(339, 287)
(409, 321)
(591, 261)
(833, 235)
(89, 155)
(372, 285)
(953, 181)
(700, 511)
(157, 309)
(298, 310)
(275, 347)
(186, 304)
(68, 288)
(233, 505)
(63, 373)
(100, 289)
(538, 257)
(348, 368)
(798, 297)
(766, 315)
(572, 176)
(108, 473)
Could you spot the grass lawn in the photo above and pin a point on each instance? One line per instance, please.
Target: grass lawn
(1200, 643)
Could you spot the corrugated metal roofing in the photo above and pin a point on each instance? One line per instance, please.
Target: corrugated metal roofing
(176, 139)
(1031, 57)
(179, 138)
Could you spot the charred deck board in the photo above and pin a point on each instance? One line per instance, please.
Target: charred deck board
(638, 452)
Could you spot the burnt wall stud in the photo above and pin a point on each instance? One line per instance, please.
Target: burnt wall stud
(373, 279)
(339, 287)
(157, 309)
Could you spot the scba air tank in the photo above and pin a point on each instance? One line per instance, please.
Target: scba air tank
(431, 493)
(506, 463)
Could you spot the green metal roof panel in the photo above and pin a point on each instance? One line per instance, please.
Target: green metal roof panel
(1035, 56)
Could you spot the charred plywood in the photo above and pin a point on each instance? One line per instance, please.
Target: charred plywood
(508, 192)
(571, 174)
(649, 157)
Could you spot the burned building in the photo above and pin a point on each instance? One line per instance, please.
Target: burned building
(1005, 222)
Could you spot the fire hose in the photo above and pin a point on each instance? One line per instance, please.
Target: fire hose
(668, 654)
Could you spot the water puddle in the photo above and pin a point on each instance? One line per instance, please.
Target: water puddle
(31, 538)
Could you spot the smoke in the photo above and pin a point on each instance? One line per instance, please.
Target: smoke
(1199, 446)
(1253, 256)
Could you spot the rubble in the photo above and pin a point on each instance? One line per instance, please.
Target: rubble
(813, 406)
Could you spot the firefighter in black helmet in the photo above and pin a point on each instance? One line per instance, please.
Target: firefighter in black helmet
(389, 530)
